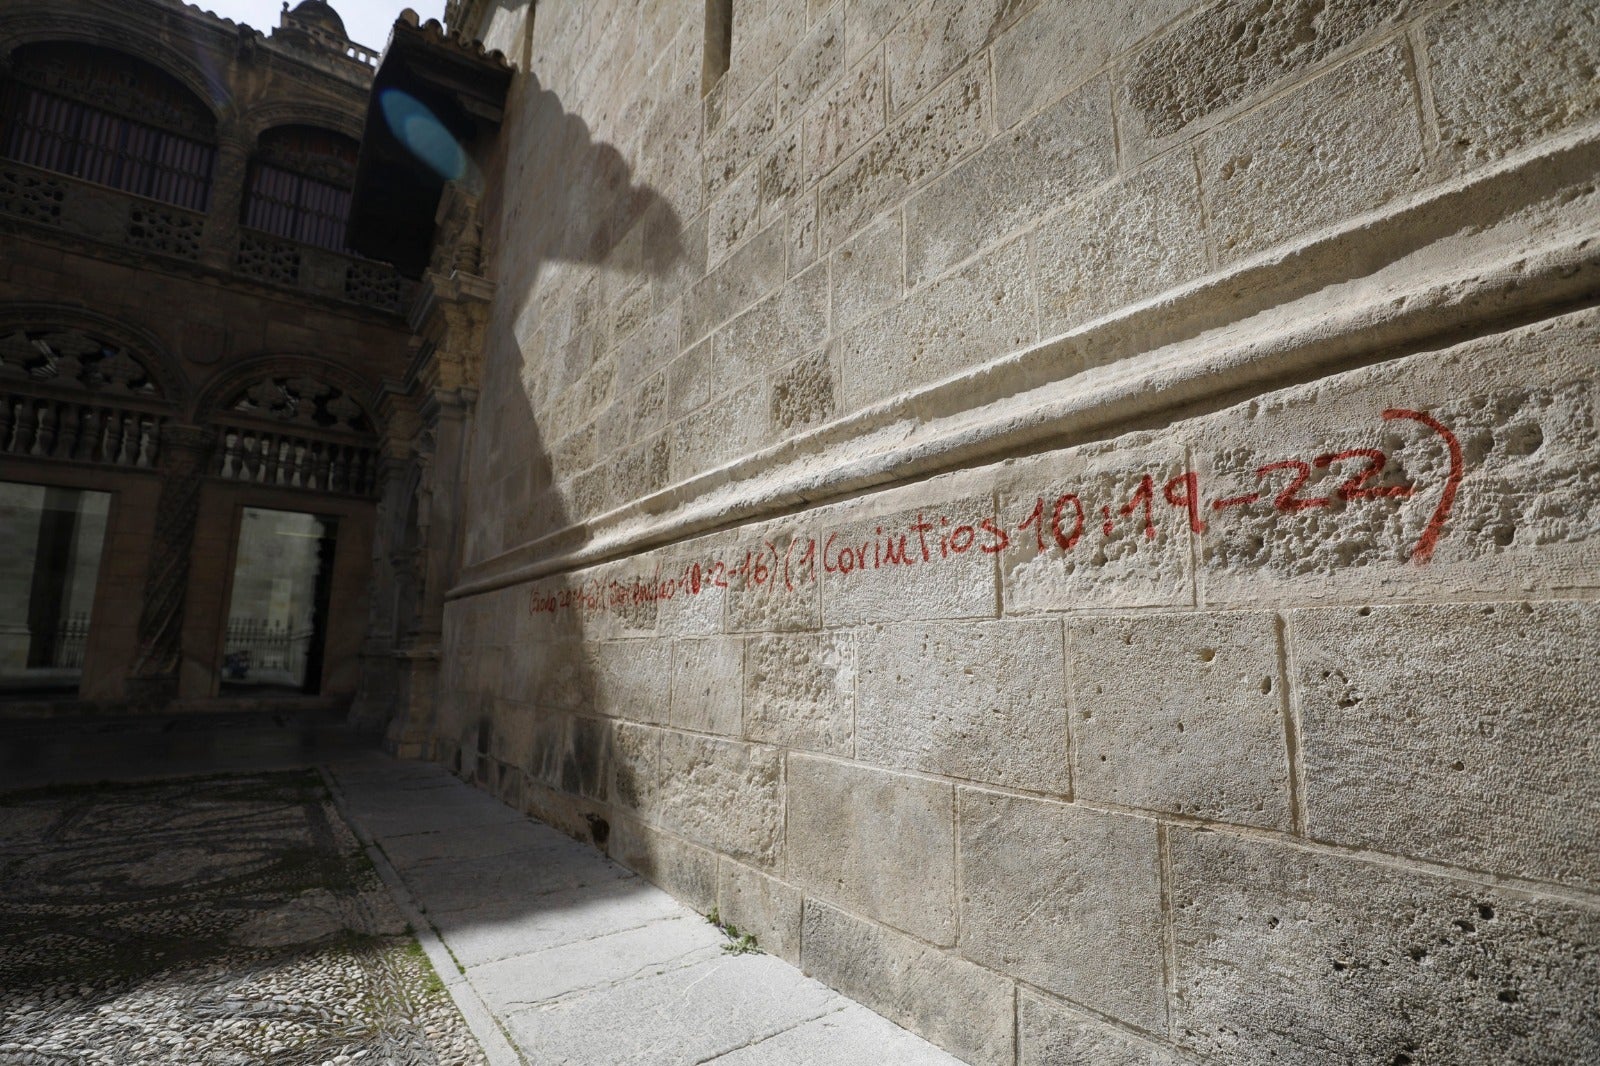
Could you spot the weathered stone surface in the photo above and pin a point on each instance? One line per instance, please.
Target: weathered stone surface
(879, 843)
(817, 60)
(937, 37)
(932, 136)
(700, 1012)
(1044, 163)
(686, 871)
(755, 270)
(785, 324)
(740, 139)
(1466, 746)
(1508, 72)
(499, 929)
(764, 907)
(1288, 956)
(804, 393)
(982, 701)
(635, 767)
(708, 685)
(1053, 563)
(866, 271)
(1181, 713)
(1060, 44)
(956, 323)
(537, 977)
(1519, 405)
(787, 602)
(1235, 50)
(963, 1008)
(734, 425)
(733, 215)
(1053, 1034)
(1119, 244)
(799, 691)
(723, 795)
(909, 570)
(1065, 898)
(853, 1036)
(633, 679)
(844, 119)
(1344, 144)
(692, 380)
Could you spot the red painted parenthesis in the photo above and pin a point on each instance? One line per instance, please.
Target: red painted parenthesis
(1430, 536)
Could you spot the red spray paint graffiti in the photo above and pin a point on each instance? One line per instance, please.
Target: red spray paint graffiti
(1055, 524)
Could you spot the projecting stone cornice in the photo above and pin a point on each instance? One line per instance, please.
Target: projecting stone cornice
(1506, 245)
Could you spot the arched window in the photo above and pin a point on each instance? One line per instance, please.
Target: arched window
(300, 185)
(105, 117)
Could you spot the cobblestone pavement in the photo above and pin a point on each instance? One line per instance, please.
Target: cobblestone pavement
(207, 922)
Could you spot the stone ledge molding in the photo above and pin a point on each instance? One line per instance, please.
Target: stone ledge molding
(1504, 245)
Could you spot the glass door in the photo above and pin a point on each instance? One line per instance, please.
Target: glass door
(278, 609)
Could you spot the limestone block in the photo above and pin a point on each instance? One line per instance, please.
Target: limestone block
(1048, 161)
(734, 212)
(787, 323)
(963, 1008)
(866, 271)
(740, 139)
(790, 601)
(804, 393)
(1233, 51)
(1064, 898)
(843, 119)
(633, 679)
(1053, 1034)
(878, 843)
(634, 771)
(753, 271)
(957, 323)
(733, 426)
(1181, 713)
(1060, 44)
(1508, 72)
(817, 60)
(1454, 733)
(642, 470)
(1121, 244)
(691, 380)
(678, 271)
(648, 350)
(1346, 143)
(707, 685)
(799, 691)
(866, 22)
(780, 174)
(984, 701)
(1446, 475)
(678, 867)
(723, 795)
(762, 906)
(687, 614)
(935, 38)
(1289, 956)
(1085, 529)
(927, 141)
(803, 232)
(906, 565)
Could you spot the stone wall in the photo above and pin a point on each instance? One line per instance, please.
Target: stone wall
(1077, 523)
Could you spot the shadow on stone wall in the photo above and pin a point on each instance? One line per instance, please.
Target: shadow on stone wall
(521, 696)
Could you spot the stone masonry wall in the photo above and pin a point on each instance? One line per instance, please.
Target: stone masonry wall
(1077, 523)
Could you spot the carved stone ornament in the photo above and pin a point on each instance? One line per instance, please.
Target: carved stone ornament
(72, 359)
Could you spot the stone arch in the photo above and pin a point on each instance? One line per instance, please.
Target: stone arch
(257, 121)
(71, 332)
(132, 39)
(295, 390)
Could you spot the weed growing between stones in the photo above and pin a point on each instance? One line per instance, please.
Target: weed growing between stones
(738, 943)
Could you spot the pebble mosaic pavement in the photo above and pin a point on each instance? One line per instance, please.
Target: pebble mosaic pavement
(216, 921)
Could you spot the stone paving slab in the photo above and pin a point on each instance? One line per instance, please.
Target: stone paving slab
(579, 960)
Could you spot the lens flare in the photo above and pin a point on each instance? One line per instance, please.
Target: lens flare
(420, 130)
